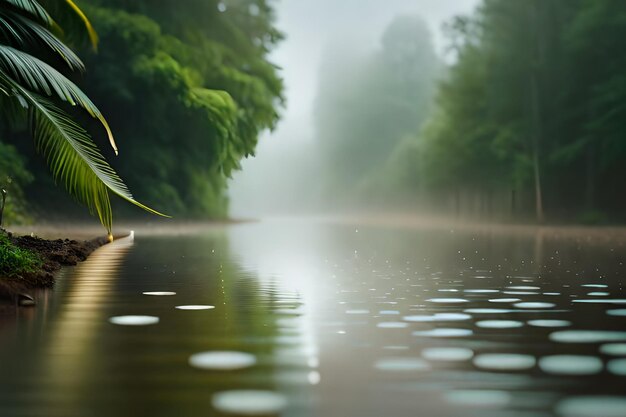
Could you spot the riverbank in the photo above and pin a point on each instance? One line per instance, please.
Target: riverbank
(52, 255)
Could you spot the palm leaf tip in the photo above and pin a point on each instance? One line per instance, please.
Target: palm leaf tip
(91, 32)
(110, 135)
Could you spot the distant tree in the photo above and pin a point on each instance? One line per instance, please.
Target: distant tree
(367, 103)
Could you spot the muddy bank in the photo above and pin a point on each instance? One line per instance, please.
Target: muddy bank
(54, 254)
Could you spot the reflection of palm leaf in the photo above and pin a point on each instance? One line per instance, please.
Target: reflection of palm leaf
(23, 31)
(41, 77)
(73, 157)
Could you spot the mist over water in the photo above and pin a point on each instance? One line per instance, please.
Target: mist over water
(456, 108)
(286, 176)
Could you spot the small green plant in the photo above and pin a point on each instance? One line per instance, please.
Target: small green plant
(14, 260)
(4, 200)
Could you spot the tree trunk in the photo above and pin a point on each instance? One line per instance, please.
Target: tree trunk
(535, 108)
(538, 190)
(590, 180)
(513, 210)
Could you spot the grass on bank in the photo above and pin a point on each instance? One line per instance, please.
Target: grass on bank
(15, 261)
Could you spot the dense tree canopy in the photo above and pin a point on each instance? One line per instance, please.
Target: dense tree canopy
(35, 94)
(192, 91)
(187, 89)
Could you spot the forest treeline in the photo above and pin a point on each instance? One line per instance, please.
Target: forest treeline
(527, 122)
(186, 91)
(524, 118)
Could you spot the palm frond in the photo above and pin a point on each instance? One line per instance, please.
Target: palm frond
(12, 114)
(72, 156)
(33, 8)
(26, 31)
(75, 25)
(73, 159)
(41, 77)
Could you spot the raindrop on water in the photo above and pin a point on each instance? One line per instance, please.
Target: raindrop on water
(570, 365)
(617, 367)
(504, 361)
(479, 398)
(402, 364)
(499, 324)
(592, 406)
(448, 300)
(534, 305)
(159, 293)
(587, 336)
(448, 354)
(195, 307)
(601, 301)
(504, 300)
(444, 333)
(549, 323)
(249, 402)
(357, 311)
(222, 360)
(392, 325)
(614, 349)
(134, 320)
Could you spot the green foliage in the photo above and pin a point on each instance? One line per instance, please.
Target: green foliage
(533, 106)
(15, 261)
(188, 90)
(30, 86)
(13, 177)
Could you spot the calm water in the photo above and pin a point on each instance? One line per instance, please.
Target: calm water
(322, 319)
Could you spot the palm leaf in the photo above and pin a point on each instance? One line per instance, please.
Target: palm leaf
(41, 77)
(75, 25)
(12, 114)
(33, 8)
(72, 156)
(25, 31)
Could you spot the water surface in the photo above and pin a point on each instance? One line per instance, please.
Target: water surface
(311, 318)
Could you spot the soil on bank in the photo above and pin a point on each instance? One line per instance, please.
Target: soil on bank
(54, 255)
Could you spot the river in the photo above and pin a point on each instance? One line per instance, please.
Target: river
(333, 319)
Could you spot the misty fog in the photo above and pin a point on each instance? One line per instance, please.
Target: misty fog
(287, 175)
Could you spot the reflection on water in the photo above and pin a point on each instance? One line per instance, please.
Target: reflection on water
(249, 402)
(447, 354)
(159, 293)
(195, 307)
(223, 361)
(504, 361)
(571, 365)
(134, 320)
(319, 319)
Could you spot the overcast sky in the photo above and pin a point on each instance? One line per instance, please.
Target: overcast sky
(310, 25)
